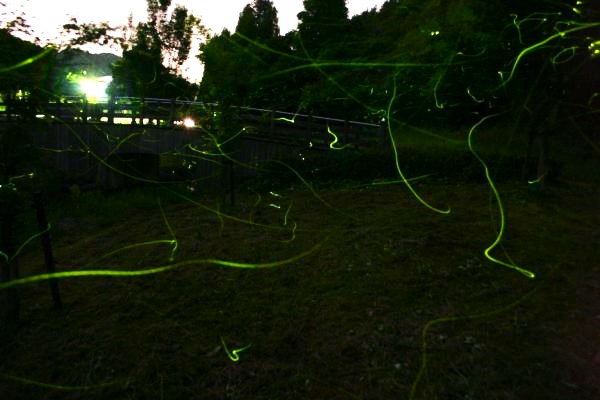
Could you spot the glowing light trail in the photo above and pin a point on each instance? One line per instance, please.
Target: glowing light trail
(234, 354)
(156, 270)
(498, 239)
(396, 160)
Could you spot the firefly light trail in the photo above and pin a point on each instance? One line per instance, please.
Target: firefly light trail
(156, 270)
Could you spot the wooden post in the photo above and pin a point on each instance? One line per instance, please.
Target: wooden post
(84, 110)
(111, 110)
(9, 298)
(47, 247)
(171, 121)
(142, 111)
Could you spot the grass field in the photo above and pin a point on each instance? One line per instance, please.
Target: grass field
(382, 298)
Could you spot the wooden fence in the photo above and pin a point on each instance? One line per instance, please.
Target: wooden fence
(81, 136)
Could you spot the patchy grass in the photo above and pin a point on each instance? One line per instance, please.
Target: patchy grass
(384, 279)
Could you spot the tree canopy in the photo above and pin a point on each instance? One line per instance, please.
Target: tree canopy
(448, 60)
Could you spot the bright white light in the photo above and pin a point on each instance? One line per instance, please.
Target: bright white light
(94, 88)
(189, 123)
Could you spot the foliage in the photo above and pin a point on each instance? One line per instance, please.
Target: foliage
(233, 62)
(23, 71)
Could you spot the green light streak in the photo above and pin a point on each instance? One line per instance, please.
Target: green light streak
(174, 242)
(234, 354)
(312, 190)
(285, 216)
(291, 121)
(58, 387)
(532, 48)
(498, 239)
(157, 270)
(557, 58)
(17, 177)
(294, 226)
(131, 247)
(24, 244)
(28, 61)
(86, 148)
(475, 99)
(437, 321)
(396, 160)
(335, 140)
(535, 181)
(275, 206)
(435, 96)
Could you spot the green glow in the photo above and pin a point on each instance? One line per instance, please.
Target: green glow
(58, 387)
(285, 217)
(498, 239)
(565, 55)
(291, 121)
(397, 162)
(594, 48)
(234, 354)
(395, 181)
(275, 206)
(475, 99)
(535, 181)
(156, 270)
(435, 96)
(539, 17)
(335, 140)
(171, 243)
(294, 226)
(437, 321)
(28, 61)
(24, 244)
(312, 190)
(17, 177)
(540, 44)
(174, 242)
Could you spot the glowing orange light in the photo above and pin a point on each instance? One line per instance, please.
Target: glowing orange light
(189, 123)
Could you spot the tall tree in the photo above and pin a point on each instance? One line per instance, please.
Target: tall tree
(322, 22)
(267, 22)
(248, 63)
(157, 49)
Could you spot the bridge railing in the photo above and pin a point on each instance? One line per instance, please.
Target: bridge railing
(262, 124)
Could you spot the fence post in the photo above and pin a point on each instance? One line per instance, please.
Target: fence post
(9, 298)
(47, 247)
(84, 110)
(171, 121)
(111, 110)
